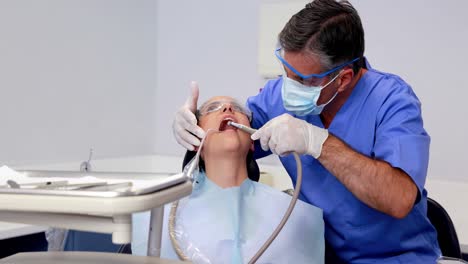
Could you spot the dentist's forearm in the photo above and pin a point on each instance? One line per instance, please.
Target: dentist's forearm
(376, 183)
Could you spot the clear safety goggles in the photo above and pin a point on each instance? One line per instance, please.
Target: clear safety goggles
(311, 79)
(215, 106)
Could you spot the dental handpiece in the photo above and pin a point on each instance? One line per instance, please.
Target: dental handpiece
(294, 198)
(244, 128)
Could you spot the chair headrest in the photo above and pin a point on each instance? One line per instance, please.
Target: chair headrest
(253, 170)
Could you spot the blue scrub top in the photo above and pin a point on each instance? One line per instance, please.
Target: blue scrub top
(381, 119)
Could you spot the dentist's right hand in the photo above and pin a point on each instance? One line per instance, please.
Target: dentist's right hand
(185, 128)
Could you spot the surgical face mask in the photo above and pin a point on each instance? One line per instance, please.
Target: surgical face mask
(301, 99)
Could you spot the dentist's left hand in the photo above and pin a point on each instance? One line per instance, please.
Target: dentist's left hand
(184, 127)
(285, 134)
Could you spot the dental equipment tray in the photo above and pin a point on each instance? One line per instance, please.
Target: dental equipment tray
(90, 184)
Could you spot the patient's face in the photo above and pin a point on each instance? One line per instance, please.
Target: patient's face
(214, 114)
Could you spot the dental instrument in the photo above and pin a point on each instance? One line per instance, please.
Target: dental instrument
(77, 186)
(109, 187)
(288, 212)
(16, 185)
(191, 170)
(86, 165)
(244, 128)
(64, 185)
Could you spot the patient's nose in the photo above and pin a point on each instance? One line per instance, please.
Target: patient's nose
(227, 108)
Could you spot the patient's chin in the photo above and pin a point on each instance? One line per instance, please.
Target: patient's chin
(225, 146)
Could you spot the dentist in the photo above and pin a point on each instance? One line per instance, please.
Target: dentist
(360, 132)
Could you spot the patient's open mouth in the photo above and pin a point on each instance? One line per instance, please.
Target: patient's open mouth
(224, 125)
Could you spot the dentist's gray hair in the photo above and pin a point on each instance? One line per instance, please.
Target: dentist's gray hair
(330, 29)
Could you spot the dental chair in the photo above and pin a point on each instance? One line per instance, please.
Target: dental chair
(27, 243)
(88, 241)
(253, 170)
(446, 233)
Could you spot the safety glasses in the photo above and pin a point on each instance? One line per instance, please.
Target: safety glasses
(215, 106)
(315, 76)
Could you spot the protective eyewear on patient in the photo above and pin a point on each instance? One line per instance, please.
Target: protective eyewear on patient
(215, 106)
(310, 79)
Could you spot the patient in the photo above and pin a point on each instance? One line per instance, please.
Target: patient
(228, 217)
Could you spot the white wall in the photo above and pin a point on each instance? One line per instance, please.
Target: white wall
(76, 74)
(211, 41)
(273, 15)
(426, 43)
(423, 41)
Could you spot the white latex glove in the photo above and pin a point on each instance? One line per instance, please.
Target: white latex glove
(285, 134)
(185, 126)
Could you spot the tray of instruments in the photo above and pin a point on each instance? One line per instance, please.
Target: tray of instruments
(88, 184)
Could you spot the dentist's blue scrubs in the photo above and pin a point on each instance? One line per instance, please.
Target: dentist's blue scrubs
(381, 119)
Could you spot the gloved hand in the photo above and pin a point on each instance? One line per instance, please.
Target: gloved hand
(285, 134)
(185, 126)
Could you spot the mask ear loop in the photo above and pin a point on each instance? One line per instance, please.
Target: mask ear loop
(333, 79)
(325, 86)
